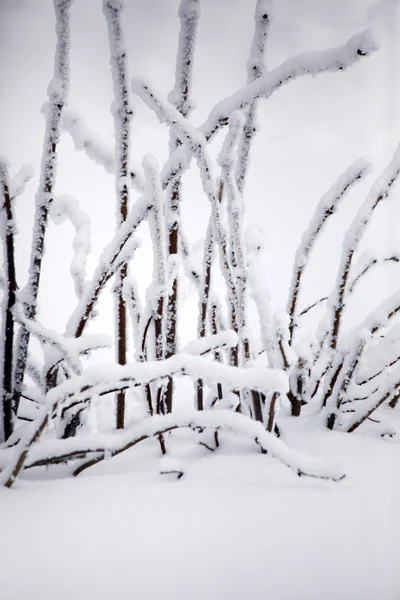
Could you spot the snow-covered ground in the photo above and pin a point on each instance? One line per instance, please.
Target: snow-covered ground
(237, 525)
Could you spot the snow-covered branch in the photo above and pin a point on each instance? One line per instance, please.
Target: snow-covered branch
(69, 348)
(122, 113)
(371, 258)
(57, 98)
(379, 191)
(327, 206)
(157, 230)
(103, 380)
(309, 63)
(103, 446)
(384, 393)
(255, 69)
(103, 155)
(197, 146)
(68, 207)
(227, 162)
(19, 181)
(112, 258)
(189, 13)
(204, 345)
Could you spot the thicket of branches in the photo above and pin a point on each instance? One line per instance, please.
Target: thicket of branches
(239, 388)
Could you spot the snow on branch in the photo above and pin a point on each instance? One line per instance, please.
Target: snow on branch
(262, 300)
(68, 207)
(376, 320)
(371, 258)
(378, 356)
(19, 181)
(385, 392)
(350, 350)
(262, 19)
(227, 161)
(57, 94)
(189, 13)
(255, 69)
(379, 191)
(155, 194)
(132, 301)
(309, 63)
(109, 445)
(223, 339)
(112, 258)
(195, 142)
(121, 109)
(69, 348)
(327, 206)
(87, 140)
(95, 149)
(156, 222)
(105, 379)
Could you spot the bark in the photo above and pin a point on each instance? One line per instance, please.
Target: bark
(9, 291)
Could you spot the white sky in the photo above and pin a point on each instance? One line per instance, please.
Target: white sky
(311, 130)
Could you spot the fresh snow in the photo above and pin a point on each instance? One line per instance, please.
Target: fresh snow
(236, 525)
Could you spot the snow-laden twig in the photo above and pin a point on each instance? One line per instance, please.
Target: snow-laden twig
(103, 380)
(69, 348)
(262, 300)
(189, 13)
(19, 181)
(371, 258)
(157, 230)
(227, 161)
(107, 446)
(327, 206)
(112, 258)
(132, 300)
(34, 370)
(385, 392)
(103, 155)
(204, 345)
(368, 261)
(196, 144)
(68, 207)
(343, 376)
(255, 69)
(7, 230)
(204, 288)
(122, 113)
(379, 191)
(308, 63)
(87, 140)
(373, 323)
(381, 354)
(57, 94)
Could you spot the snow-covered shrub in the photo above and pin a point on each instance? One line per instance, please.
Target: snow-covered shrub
(44, 406)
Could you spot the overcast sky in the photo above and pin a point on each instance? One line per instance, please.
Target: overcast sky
(310, 130)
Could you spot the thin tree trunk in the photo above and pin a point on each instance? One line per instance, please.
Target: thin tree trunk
(10, 288)
(122, 115)
(57, 91)
(179, 96)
